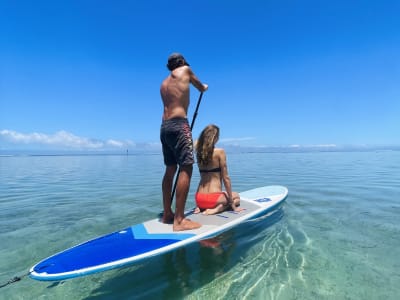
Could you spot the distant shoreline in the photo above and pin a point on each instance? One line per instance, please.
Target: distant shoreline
(229, 149)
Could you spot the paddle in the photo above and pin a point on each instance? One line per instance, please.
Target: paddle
(191, 128)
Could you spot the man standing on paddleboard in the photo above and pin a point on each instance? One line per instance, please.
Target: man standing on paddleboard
(176, 139)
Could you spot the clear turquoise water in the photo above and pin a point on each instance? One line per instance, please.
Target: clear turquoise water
(336, 237)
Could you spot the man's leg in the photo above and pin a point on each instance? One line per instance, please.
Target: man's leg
(168, 215)
(182, 190)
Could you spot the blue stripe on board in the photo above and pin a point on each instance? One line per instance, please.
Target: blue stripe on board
(140, 232)
(222, 216)
(109, 248)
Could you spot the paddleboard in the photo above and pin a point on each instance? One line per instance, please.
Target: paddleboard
(151, 238)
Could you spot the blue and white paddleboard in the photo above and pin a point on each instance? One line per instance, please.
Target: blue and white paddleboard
(151, 238)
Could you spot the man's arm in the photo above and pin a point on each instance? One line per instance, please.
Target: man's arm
(196, 82)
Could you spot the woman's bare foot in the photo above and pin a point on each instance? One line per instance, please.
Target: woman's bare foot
(196, 210)
(212, 211)
(185, 224)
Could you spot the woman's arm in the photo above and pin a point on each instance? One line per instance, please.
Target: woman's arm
(226, 179)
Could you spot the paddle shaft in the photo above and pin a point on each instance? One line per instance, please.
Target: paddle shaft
(191, 128)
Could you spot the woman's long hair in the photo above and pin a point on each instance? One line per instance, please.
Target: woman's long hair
(206, 143)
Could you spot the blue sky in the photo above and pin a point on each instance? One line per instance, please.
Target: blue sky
(86, 74)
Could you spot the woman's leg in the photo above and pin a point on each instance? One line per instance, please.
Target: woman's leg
(220, 207)
(236, 198)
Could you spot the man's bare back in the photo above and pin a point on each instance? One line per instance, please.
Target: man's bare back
(175, 92)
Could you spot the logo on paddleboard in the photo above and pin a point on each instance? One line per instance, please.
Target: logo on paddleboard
(263, 200)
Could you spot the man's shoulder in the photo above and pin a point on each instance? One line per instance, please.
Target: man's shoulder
(185, 68)
(181, 71)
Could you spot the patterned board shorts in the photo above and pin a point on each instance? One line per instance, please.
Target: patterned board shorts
(177, 142)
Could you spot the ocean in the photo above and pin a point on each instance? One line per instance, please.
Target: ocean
(337, 236)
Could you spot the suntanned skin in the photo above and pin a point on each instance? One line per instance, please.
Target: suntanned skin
(175, 94)
(212, 182)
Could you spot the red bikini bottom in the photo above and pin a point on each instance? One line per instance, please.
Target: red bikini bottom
(207, 200)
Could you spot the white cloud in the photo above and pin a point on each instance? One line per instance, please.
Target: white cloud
(314, 146)
(120, 144)
(61, 139)
(326, 146)
(114, 143)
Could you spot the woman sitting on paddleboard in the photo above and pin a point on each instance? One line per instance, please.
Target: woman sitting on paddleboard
(210, 198)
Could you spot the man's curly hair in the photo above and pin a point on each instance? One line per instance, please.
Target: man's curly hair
(176, 60)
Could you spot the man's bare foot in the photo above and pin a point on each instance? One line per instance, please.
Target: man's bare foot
(185, 224)
(196, 210)
(167, 218)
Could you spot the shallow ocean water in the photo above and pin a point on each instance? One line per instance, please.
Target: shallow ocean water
(337, 236)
